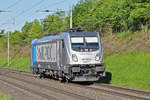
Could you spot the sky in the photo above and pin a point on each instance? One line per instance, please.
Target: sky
(21, 11)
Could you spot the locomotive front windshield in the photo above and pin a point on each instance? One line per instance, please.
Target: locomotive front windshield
(84, 43)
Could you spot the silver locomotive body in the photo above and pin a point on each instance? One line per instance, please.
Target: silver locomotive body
(74, 56)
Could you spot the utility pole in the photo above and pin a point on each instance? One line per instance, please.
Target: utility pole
(8, 49)
(71, 16)
(13, 23)
(70, 13)
(8, 38)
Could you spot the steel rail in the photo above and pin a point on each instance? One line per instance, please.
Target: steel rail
(109, 89)
(79, 97)
(29, 90)
(141, 92)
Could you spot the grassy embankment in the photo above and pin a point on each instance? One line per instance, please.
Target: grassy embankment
(4, 97)
(18, 62)
(127, 69)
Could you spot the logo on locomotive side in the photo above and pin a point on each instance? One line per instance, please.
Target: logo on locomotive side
(46, 53)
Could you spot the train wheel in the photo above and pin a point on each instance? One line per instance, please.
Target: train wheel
(67, 80)
(35, 72)
(61, 79)
(41, 75)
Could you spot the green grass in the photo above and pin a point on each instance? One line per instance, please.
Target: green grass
(129, 69)
(123, 35)
(130, 35)
(4, 97)
(19, 62)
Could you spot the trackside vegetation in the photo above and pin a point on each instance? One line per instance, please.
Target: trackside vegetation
(18, 62)
(4, 97)
(129, 69)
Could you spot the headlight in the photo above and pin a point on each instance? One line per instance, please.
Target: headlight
(74, 58)
(97, 57)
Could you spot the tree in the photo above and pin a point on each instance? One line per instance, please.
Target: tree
(54, 24)
(2, 33)
(36, 30)
(121, 15)
(25, 32)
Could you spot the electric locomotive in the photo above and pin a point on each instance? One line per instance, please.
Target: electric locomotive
(73, 55)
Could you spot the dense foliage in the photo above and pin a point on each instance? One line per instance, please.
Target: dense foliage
(117, 15)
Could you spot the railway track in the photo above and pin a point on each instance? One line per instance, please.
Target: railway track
(126, 89)
(44, 96)
(72, 95)
(121, 92)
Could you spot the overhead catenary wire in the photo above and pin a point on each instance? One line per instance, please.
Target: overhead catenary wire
(14, 4)
(26, 10)
(51, 5)
(33, 6)
(56, 3)
(11, 6)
